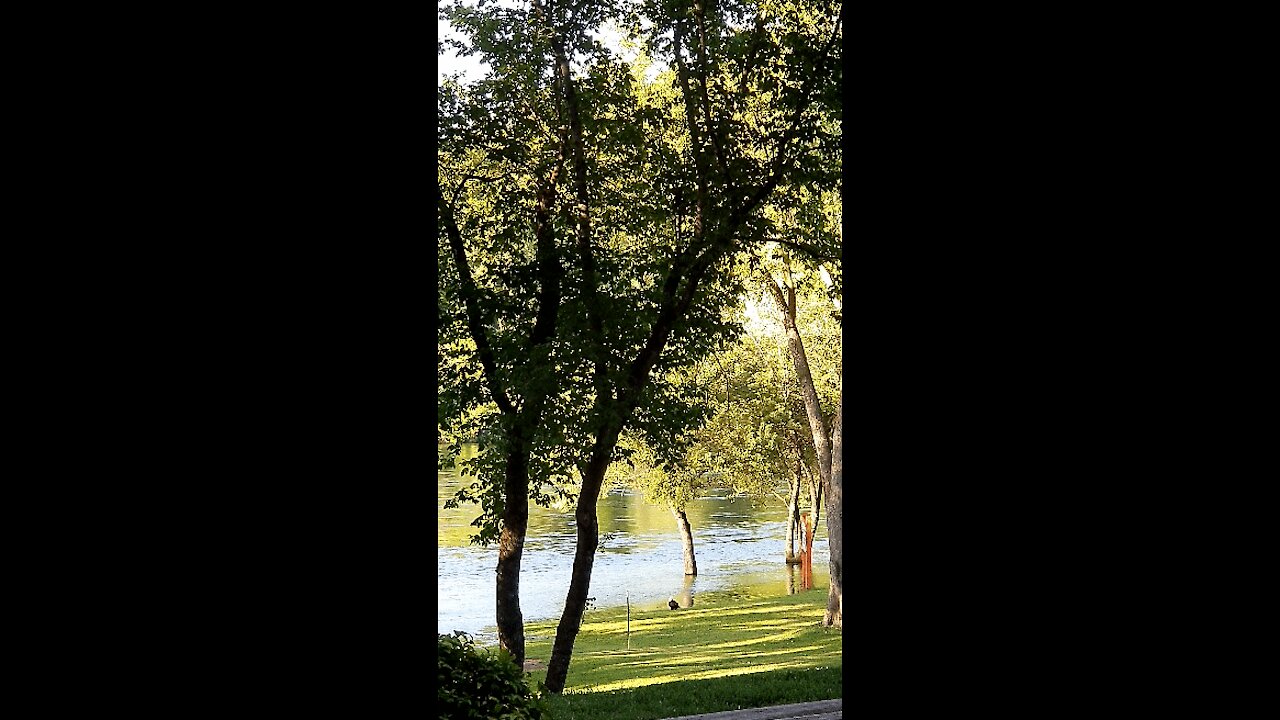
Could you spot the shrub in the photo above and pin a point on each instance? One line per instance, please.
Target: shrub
(482, 684)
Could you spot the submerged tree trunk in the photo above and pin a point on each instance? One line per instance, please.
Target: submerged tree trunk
(686, 591)
(826, 442)
(686, 538)
(793, 519)
(816, 489)
(835, 524)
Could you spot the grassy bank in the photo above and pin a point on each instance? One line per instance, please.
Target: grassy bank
(724, 653)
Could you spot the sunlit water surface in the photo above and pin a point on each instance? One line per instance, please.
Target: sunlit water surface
(739, 548)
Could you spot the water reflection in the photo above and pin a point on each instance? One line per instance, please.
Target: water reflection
(685, 598)
(740, 547)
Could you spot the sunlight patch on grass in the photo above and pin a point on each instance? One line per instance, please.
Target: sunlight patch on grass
(614, 628)
(788, 651)
(701, 660)
(771, 638)
(705, 675)
(768, 625)
(757, 609)
(628, 653)
(714, 658)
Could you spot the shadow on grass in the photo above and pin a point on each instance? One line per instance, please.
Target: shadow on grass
(691, 697)
(774, 619)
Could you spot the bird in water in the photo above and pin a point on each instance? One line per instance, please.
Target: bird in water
(673, 604)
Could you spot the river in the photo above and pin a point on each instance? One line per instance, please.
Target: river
(739, 547)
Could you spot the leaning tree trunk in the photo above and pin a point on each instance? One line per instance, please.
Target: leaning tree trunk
(826, 442)
(617, 411)
(686, 538)
(813, 409)
(584, 558)
(835, 524)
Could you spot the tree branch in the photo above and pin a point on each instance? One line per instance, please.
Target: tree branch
(470, 298)
(793, 129)
(813, 251)
(695, 134)
(586, 253)
(703, 69)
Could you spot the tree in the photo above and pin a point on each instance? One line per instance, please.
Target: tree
(727, 167)
(664, 183)
(753, 439)
(824, 436)
(640, 469)
(512, 145)
(498, 370)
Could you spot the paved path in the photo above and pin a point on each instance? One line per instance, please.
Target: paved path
(820, 710)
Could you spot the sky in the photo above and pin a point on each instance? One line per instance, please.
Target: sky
(449, 62)
(472, 69)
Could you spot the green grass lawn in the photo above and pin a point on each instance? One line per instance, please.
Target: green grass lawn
(725, 653)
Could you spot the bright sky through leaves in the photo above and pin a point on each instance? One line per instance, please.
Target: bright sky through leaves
(449, 62)
(472, 68)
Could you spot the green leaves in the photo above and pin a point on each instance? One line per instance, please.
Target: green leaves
(667, 176)
(475, 683)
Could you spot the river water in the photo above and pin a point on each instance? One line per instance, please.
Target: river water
(739, 545)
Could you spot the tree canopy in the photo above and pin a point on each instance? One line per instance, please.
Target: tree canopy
(596, 209)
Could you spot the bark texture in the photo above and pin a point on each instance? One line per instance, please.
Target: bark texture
(588, 532)
(515, 524)
(795, 345)
(835, 524)
(686, 539)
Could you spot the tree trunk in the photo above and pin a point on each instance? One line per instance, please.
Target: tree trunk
(816, 489)
(515, 513)
(835, 524)
(515, 523)
(686, 591)
(583, 561)
(686, 538)
(677, 299)
(827, 444)
(806, 568)
(817, 423)
(793, 519)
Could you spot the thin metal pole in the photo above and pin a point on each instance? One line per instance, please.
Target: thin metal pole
(628, 621)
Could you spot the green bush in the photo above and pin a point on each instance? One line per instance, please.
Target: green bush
(482, 684)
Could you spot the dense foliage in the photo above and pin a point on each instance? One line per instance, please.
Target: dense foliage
(481, 683)
(598, 206)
